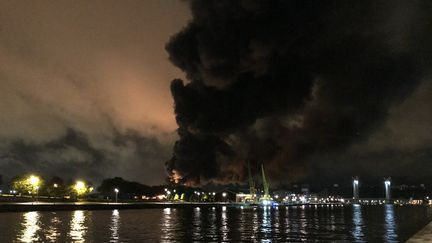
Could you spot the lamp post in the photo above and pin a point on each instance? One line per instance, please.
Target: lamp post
(34, 182)
(80, 188)
(116, 190)
(224, 196)
(387, 183)
(355, 188)
(37, 192)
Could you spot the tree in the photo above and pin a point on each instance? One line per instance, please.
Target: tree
(81, 188)
(127, 189)
(27, 184)
(55, 187)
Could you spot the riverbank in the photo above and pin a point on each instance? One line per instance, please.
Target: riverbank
(64, 206)
(42, 206)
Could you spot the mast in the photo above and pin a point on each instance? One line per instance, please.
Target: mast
(252, 190)
(265, 183)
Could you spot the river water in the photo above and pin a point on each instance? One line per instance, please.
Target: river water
(389, 223)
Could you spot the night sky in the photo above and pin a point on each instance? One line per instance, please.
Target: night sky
(84, 87)
(195, 89)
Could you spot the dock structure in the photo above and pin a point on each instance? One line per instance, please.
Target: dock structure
(424, 235)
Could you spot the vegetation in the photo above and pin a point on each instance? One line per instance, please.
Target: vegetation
(56, 187)
(27, 184)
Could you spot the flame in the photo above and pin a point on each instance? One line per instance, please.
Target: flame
(175, 176)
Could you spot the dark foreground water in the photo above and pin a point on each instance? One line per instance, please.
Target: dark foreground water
(215, 224)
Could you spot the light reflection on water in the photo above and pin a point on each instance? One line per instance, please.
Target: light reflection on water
(78, 227)
(266, 227)
(197, 224)
(357, 223)
(390, 224)
(212, 231)
(53, 232)
(224, 227)
(166, 225)
(115, 226)
(30, 227)
(215, 224)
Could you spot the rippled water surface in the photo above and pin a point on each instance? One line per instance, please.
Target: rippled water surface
(215, 224)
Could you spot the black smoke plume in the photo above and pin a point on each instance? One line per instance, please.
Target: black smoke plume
(275, 82)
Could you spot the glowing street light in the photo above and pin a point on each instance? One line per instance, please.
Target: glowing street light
(224, 196)
(80, 187)
(355, 188)
(116, 190)
(387, 184)
(55, 185)
(34, 180)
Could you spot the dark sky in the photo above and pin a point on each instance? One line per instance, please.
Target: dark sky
(326, 88)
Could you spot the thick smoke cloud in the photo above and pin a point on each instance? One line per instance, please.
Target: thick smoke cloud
(281, 82)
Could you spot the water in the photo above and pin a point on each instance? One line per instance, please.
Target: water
(215, 224)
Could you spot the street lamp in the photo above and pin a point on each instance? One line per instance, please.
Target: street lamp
(387, 184)
(37, 192)
(34, 182)
(116, 192)
(80, 188)
(355, 188)
(224, 196)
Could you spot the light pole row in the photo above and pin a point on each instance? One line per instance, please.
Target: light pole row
(387, 185)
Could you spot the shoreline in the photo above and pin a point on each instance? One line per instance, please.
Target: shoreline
(70, 206)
